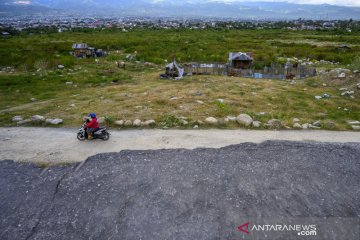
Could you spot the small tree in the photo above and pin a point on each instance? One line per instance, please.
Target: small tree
(355, 65)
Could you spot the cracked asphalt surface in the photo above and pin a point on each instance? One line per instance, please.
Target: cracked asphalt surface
(186, 194)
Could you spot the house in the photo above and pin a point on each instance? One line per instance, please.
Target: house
(240, 60)
(90, 52)
(80, 50)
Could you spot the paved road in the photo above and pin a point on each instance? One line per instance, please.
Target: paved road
(187, 194)
(59, 145)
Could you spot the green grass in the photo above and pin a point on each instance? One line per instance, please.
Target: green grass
(186, 45)
(137, 91)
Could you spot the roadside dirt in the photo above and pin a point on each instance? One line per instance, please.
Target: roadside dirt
(59, 145)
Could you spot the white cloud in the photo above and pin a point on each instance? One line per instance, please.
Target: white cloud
(355, 3)
(23, 2)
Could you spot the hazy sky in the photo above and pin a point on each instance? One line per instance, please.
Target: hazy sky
(333, 2)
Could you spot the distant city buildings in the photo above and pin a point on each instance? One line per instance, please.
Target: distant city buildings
(67, 23)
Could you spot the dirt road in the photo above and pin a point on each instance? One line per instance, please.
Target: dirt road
(59, 145)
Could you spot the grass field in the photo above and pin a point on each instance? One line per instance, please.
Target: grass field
(137, 91)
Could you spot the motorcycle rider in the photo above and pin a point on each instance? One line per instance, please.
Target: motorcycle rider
(92, 125)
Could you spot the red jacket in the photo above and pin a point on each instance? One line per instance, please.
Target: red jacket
(93, 123)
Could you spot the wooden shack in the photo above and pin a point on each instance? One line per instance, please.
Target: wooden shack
(240, 60)
(82, 50)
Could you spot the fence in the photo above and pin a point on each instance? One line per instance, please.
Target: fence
(275, 71)
(206, 69)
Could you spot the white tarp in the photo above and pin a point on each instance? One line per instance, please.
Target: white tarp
(179, 69)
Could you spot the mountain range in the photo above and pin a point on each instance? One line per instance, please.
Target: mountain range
(180, 8)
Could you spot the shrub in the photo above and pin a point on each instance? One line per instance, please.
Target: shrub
(170, 121)
(109, 119)
(355, 65)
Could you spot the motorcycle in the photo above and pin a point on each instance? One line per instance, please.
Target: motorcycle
(100, 133)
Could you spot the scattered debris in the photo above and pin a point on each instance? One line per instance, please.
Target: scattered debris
(325, 95)
(348, 93)
(314, 127)
(198, 93)
(261, 113)
(317, 124)
(321, 114)
(17, 118)
(342, 75)
(173, 71)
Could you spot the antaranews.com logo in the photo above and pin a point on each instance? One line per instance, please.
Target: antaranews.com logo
(300, 230)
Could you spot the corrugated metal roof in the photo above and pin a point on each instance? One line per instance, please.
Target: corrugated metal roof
(239, 56)
(79, 45)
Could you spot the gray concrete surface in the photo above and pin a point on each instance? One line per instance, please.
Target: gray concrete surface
(59, 145)
(186, 194)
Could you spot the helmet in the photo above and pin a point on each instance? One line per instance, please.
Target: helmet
(92, 115)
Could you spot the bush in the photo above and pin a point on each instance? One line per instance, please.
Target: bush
(67, 61)
(170, 121)
(109, 119)
(355, 65)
